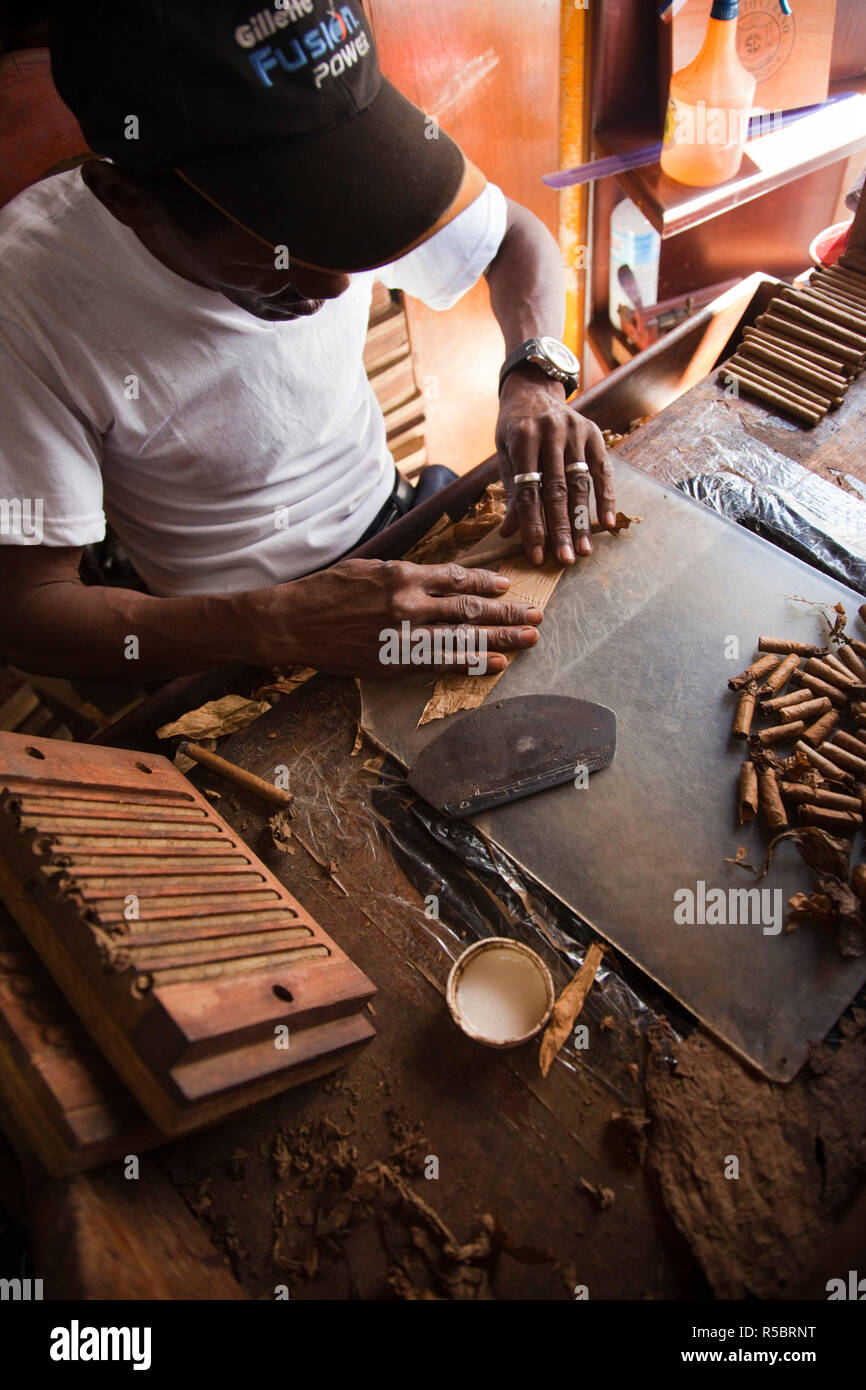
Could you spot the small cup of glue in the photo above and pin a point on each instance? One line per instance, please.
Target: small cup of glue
(500, 992)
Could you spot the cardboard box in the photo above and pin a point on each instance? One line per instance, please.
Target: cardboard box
(788, 54)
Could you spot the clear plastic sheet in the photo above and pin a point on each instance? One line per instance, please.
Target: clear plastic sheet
(775, 515)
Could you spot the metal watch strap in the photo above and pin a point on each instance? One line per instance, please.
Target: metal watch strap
(526, 353)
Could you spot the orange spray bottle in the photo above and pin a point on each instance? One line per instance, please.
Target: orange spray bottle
(709, 106)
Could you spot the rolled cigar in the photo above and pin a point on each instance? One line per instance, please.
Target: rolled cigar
(831, 771)
(850, 742)
(857, 691)
(770, 799)
(780, 732)
(821, 341)
(858, 647)
(819, 687)
(785, 647)
(833, 366)
(241, 778)
(818, 308)
(862, 612)
(837, 281)
(853, 259)
(808, 710)
(856, 665)
(821, 729)
(782, 674)
(818, 323)
(825, 672)
(858, 881)
(791, 697)
(836, 292)
(799, 792)
(790, 385)
(832, 660)
(841, 821)
(849, 761)
(745, 710)
(832, 386)
(748, 792)
(759, 668)
(753, 387)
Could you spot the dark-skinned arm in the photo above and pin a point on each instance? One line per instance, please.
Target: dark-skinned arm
(53, 624)
(537, 431)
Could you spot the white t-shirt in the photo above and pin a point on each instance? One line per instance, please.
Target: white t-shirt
(228, 453)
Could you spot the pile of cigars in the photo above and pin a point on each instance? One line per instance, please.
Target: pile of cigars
(808, 345)
(822, 782)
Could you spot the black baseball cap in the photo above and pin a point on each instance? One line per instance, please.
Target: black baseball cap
(281, 118)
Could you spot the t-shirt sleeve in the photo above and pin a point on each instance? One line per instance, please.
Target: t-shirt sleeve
(50, 475)
(448, 264)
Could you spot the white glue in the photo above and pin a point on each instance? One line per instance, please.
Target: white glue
(501, 994)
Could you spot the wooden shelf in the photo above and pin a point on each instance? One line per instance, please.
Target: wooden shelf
(770, 162)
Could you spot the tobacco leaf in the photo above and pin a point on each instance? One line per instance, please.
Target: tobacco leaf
(834, 905)
(216, 718)
(284, 682)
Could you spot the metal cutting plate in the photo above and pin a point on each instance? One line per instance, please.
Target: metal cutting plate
(643, 626)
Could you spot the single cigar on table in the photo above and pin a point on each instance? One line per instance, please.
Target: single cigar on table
(782, 674)
(788, 700)
(793, 347)
(745, 710)
(753, 387)
(808, 710)
(241, 778)
(759, 668)
(748, 793)
(821, 341)
(780, 732)
(821, 729)
(785, 647)
(819, 687)
(856, 665)
(850, 761)
(825, 672)
(832, 772)
(810, 395)
(831, 659)
(770, 799)
(844, 822)
(801, 792)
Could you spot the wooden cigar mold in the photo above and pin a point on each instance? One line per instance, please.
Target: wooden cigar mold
(184, 958)
(803, 351)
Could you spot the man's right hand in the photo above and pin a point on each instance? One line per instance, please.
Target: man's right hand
(341, 620)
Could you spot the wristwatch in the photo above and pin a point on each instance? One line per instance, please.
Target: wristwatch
(552, 356)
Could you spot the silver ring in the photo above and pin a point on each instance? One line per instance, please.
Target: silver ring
(579, 467)
(527, 478)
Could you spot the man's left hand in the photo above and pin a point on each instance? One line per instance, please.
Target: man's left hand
(539, 433)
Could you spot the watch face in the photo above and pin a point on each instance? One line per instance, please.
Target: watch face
(561, 356)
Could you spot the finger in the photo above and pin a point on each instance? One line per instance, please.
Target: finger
(555, 497)
(602, 479)
(475, 611)
(578, 505)
(462, 643)
(456, 579)
(510, 521)
(527, 501)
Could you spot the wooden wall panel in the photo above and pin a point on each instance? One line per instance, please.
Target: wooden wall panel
(489, 73)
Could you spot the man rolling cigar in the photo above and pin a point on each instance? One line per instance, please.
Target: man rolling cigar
(182, 325)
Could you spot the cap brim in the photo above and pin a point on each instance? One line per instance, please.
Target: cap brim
(356, 197)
